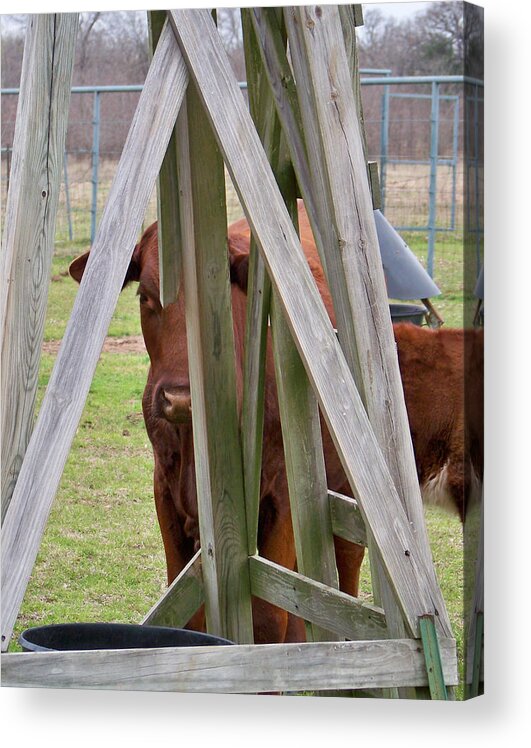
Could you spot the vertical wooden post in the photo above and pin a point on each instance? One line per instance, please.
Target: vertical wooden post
(169, 226)
(258, 303)
(299, 411)
(217, 449)
(382, 593)
(432, 656)
(28, 239)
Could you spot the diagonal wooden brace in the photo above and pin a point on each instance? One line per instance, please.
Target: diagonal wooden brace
(404, 562)
(77, 359)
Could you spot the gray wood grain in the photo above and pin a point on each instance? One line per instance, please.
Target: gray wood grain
(347, 521)
(169, 226)
(95, 302)
(305, 466)
(211, 356)
(272, 48)
(182, 598)
(231, 669)
(331, 104)
(309, 323)
(328, 608)
(349, 208)
(311, 90)
(28, 238)
(303, 449)
(258, 303)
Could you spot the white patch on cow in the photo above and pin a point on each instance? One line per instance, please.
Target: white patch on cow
(435, 491)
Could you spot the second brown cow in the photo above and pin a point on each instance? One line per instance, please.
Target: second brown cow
(432, 363)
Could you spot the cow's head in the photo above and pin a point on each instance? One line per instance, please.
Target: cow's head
(167, 394)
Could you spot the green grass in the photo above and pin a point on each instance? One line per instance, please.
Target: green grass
(101, 557)
(447, 274)
(63, 291)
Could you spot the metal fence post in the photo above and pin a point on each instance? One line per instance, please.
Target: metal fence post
(455, 158)
(434, 157)
(95, 163)
(67, 197)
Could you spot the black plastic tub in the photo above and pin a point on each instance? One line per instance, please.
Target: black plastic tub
(408, 313)
(80, 636)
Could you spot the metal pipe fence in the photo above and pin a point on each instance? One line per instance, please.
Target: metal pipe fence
(421, 153)
(433, 159)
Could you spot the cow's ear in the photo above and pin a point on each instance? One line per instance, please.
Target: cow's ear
(133, 271)
(239, 270)
(77, 268)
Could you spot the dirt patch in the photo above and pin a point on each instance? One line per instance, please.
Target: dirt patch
(130, 344)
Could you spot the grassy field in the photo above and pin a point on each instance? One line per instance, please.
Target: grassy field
(101, 558)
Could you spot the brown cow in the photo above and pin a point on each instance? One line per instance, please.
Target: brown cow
(432, 369)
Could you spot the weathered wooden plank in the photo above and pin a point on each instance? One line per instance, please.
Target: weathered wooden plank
(272, 49)
(309, 323)
(374, 181)
(432, 656)
(305, 468)
(95, 302)
(169, 227)
(299, 141)
(211, 356)
(355, 273)
(325, 233)
(350, 210)
(231, 669)
(182, 598)
(382, 591)
(258, 303)
(28, 238)
(349, 22)
(347, 522)
(330, 609)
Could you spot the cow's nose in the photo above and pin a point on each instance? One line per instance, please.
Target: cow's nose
(176, 404)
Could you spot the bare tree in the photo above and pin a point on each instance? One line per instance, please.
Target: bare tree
(87, 21)
(230, 29)
(431, 43)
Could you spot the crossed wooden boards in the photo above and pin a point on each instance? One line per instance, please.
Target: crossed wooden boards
(380, 476)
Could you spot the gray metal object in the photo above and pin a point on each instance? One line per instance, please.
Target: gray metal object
(404, 275)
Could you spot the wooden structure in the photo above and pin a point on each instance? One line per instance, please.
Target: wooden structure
(307, 116)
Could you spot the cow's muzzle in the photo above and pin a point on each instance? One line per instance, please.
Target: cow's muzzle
(175, 404)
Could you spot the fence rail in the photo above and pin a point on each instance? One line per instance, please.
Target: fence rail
(417, 137)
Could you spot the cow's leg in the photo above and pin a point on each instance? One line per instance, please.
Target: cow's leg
(348, 558)
(275, 542)
(198, 621)
(296, 631)
(177, 547)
